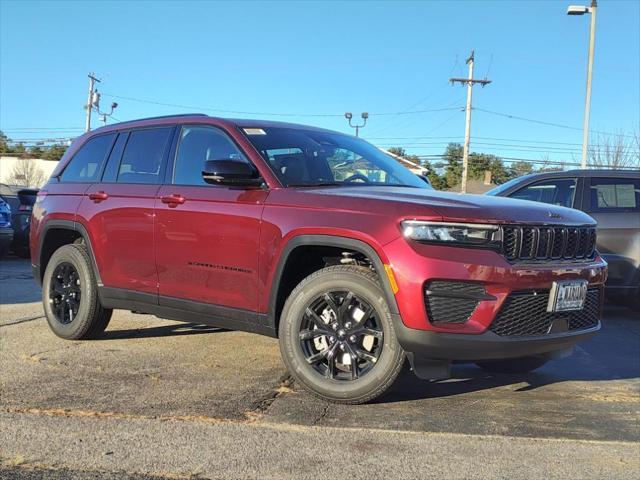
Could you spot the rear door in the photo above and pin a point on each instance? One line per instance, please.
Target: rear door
(118, 211)
(207, 236)
(615, 203)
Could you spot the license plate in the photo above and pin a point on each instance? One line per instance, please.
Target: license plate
(567, 296)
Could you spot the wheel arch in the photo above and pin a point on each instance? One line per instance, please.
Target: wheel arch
(313, 240)
(55, 234)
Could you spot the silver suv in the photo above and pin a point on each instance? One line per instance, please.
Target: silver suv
(612, 197)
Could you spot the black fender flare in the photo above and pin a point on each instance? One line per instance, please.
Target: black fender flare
(64, 225)
(329, 241)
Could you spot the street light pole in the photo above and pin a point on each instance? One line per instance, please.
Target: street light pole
(573, 10)
(364, 116)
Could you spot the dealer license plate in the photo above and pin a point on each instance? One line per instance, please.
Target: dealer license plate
(568, 295)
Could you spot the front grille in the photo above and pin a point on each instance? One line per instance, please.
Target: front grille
(525, 314)
(539, 244)
(452, 302)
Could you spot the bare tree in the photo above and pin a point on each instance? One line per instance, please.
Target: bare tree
(615, 151)
(26, 172)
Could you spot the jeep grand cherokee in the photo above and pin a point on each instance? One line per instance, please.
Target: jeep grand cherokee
(317, 238)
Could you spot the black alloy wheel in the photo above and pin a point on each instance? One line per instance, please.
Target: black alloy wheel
(337, 335)
(65, 293)
(70, 295)
(340, 335)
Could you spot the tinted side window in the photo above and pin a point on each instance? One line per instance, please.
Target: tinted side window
(86, 164)
(113, 163)
(615, 195)
(560, 191)
(142, 159)
(197, 145)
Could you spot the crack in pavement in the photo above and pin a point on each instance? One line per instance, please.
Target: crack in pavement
(21, 320)
(261, 406)
(68, 413)
(20, 276)
(322, 415)
(289, 427)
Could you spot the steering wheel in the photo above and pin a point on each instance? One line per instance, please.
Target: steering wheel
(356, 176)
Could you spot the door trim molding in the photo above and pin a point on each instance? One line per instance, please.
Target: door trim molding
(172, 308)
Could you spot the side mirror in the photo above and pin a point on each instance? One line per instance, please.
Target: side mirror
(231, 173)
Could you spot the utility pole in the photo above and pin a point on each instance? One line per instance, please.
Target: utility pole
(581, 10)
(470, 81)
(92, 81)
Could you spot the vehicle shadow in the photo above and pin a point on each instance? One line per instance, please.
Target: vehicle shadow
(613, 354)
(161, 331)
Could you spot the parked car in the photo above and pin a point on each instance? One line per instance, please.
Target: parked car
(21, 201)
(311, 236)
(612, 197)
(6, 232)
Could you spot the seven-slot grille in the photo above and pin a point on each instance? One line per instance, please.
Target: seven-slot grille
(531, 244)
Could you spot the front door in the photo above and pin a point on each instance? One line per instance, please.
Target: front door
(207, 236)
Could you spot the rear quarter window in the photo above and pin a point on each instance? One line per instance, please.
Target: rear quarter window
(86, 164)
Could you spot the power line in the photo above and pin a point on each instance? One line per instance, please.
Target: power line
(528, 160)
(483, 138)
(503, 146)
(550, 124)
(267, 114)
(47, 129)
(211, 109)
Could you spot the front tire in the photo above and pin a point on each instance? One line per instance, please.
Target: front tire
(70, 295)
(513, 365)
(337, 337)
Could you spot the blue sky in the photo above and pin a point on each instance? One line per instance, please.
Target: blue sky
(327, 58)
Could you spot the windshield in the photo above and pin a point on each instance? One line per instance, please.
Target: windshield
(310, 157)
(501, 188)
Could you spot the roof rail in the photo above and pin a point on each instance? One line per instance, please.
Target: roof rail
(163, 116)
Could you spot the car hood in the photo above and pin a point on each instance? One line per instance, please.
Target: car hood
(455, 207)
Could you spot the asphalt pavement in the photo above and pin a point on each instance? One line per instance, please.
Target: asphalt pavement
(155, 398)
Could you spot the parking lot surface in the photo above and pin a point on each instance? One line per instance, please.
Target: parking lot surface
(162, 398)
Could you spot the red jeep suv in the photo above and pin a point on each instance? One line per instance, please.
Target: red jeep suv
(317, 238)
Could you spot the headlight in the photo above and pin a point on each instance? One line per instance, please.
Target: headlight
(463, 234)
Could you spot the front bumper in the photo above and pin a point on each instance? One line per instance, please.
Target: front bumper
(486, 346)
(416, 265)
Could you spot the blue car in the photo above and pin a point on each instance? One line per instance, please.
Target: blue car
(6, 231)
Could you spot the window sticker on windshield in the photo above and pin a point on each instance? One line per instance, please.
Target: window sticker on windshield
(254, 131)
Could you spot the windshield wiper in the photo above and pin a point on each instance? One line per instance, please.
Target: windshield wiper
(318, 184)
(393, 185)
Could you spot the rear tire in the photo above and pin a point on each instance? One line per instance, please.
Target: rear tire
(70, 295)
(513, 365)
(360, 356)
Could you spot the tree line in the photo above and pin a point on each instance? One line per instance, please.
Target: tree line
(450, 166)
(18, 149)
(608, 152)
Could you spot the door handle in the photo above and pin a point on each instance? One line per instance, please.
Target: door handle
(172, 200)
(98, 197)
